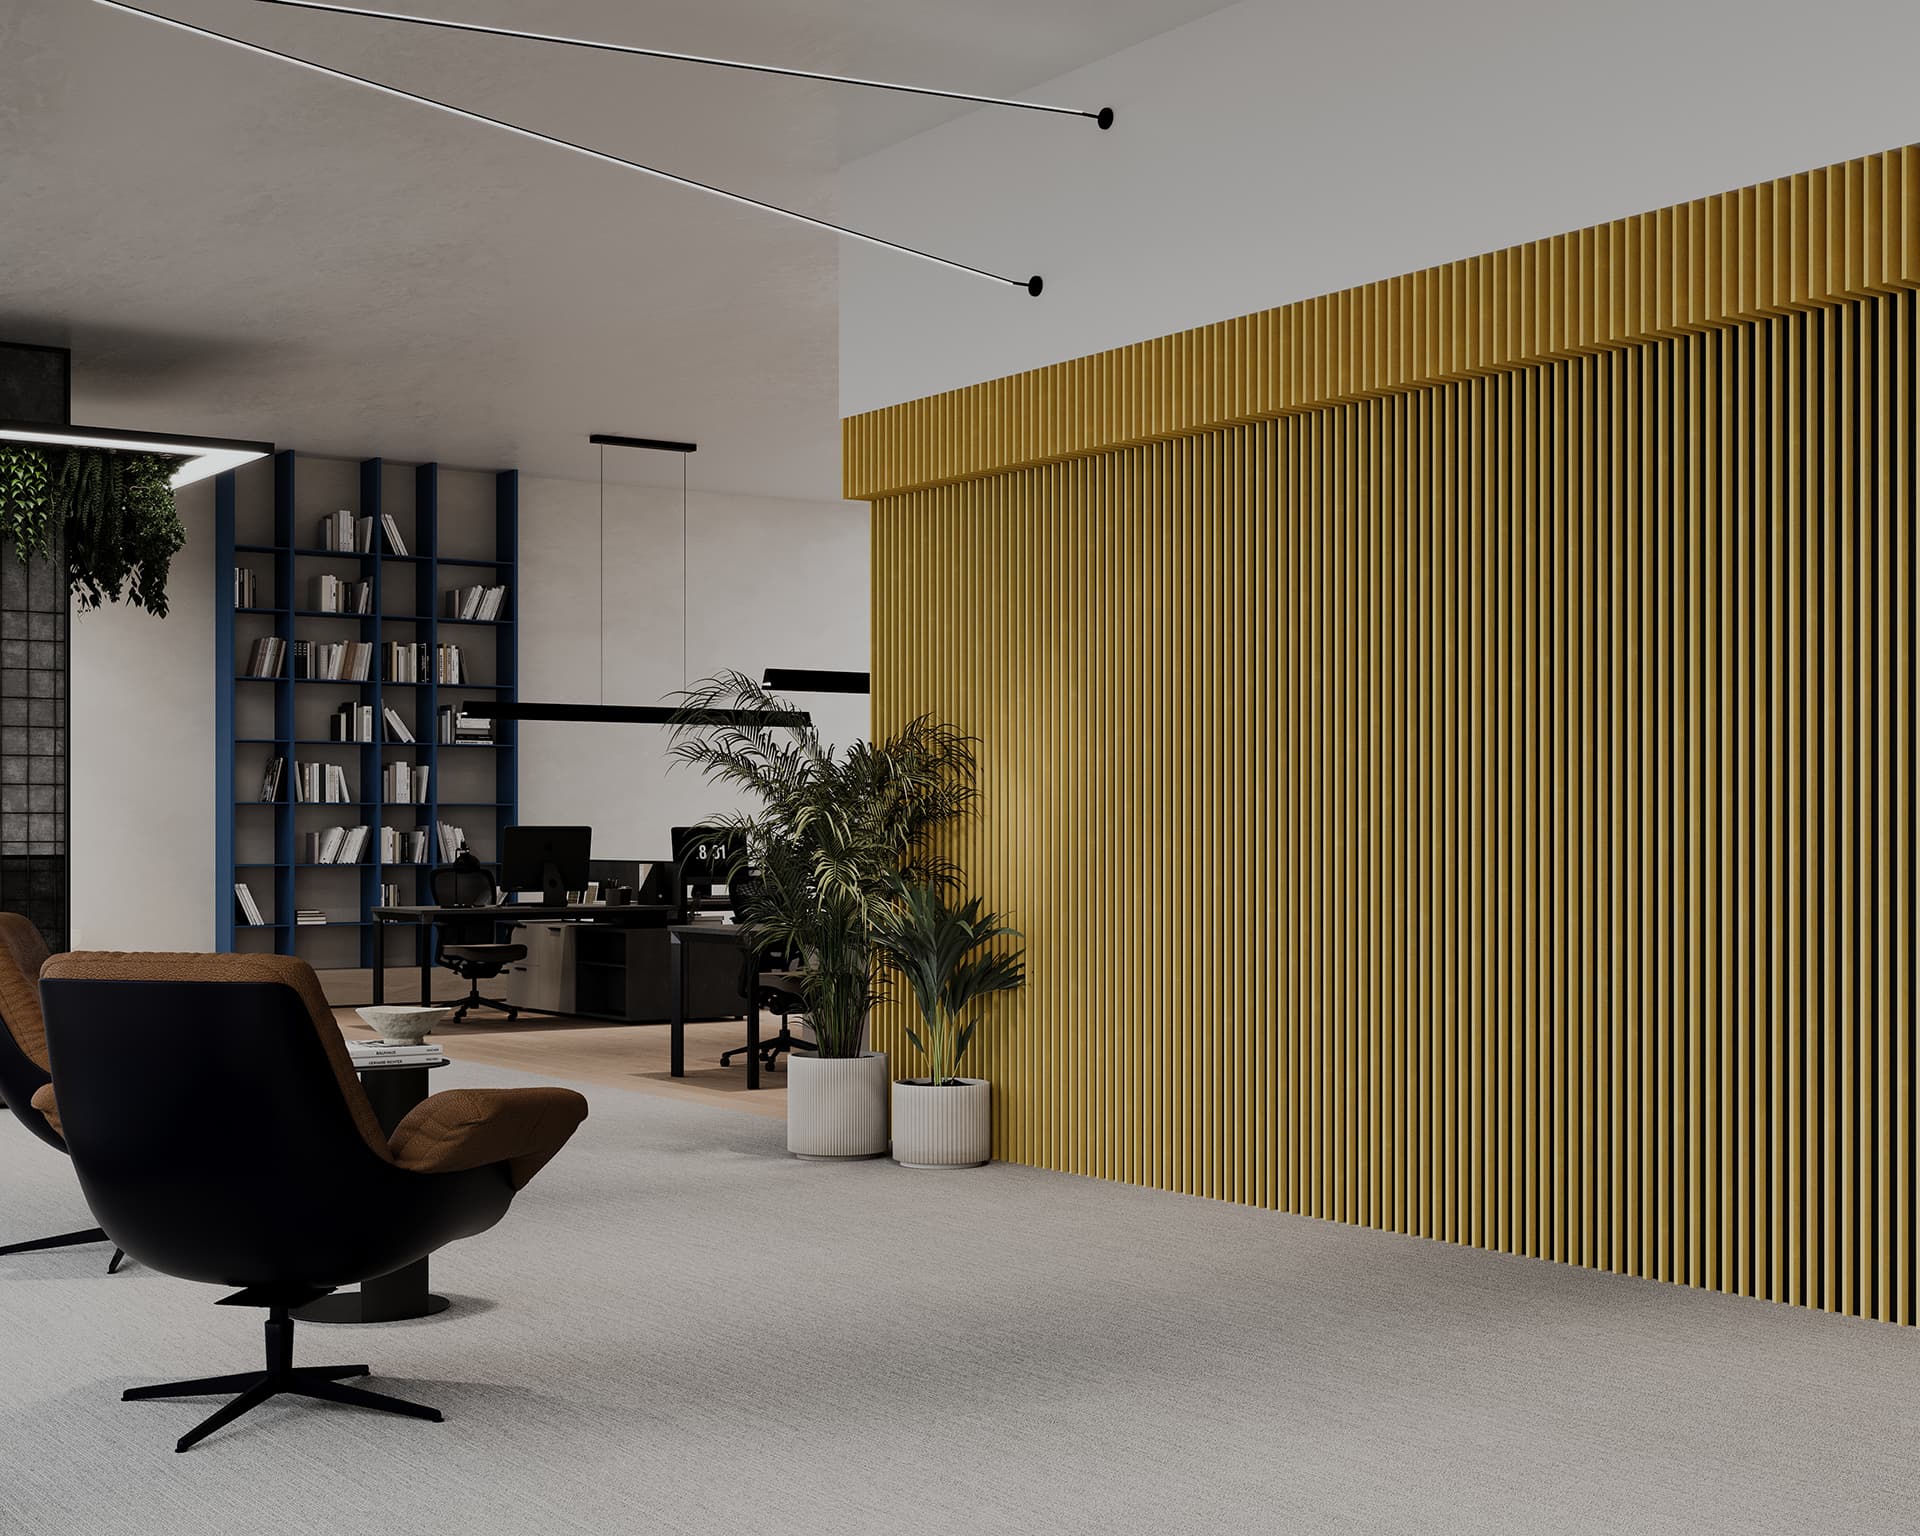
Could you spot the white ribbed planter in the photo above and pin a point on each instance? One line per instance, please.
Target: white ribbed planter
(946, 1127)
(837, 1108)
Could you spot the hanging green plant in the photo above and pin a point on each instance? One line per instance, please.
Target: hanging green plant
(26, 504)
(115, 511)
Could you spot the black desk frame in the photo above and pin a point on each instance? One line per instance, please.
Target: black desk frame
(679, 936)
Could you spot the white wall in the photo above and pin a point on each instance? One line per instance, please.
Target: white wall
(773, 583)
(1274, 151)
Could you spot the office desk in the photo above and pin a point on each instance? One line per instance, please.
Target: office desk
(506, 912)
(679, 936)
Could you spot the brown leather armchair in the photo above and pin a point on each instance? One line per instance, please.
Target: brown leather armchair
(221, 1135)
(23, 1057)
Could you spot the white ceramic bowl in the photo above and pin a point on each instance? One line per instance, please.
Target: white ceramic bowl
(403, 1025)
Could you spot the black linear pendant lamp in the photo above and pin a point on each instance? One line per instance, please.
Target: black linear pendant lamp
(1103, 116)
(799, 680)
(604, 713)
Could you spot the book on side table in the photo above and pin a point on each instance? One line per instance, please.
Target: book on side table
(377, 1053)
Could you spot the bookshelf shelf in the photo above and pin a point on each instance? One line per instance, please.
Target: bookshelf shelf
(408, 593)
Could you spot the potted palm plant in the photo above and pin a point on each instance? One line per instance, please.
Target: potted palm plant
(941, 949)
(829, 837)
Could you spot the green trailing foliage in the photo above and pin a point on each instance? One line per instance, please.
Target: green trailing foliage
(941, 949)
(114, 510)
(833, 836)
(26, 507)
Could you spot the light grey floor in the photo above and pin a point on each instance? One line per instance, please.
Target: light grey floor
(678, 1329)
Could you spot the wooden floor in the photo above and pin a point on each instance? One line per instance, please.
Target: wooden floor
(632, 1056)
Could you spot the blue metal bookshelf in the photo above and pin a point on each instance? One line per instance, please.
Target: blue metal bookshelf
(257, 719)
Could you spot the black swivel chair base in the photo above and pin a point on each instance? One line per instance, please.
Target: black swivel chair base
(281, 1377)
(770, 1050)
(67, 1240)
(474, 1000)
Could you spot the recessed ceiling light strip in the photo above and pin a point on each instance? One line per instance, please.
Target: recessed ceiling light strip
(1032, 285)
(1103, 116)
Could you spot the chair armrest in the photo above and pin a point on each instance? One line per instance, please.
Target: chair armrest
(44, 1101)
(473, 1127)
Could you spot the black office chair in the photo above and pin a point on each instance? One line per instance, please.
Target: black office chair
(466, 945)
(768, 974)
(217, 1125)
(23, 1058)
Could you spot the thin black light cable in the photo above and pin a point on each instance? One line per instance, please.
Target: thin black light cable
(682, 573)
(1032, 285)
(1103, 116)
(603, 573)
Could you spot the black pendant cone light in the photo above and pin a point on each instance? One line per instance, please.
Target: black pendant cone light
(604, 713)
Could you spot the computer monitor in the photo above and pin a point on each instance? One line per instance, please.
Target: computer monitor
(550, 860)
(704, 857)
(608, 873)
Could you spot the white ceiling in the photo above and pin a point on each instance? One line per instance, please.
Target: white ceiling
(233, 246)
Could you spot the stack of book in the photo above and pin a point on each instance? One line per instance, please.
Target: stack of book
(246, 590)
(398, 845)
(343, 531)
(377, 1053)
(248, 908)
(396, 727)
(452, 840)
(270, 780)
(343, 660)
(457, 728)
(309, 917)
(332, 595)
(269, 654)
(337, 845)
(320, 784)
(404, 783)
(351, 722)
(473, 602)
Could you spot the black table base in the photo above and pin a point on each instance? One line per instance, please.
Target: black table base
(392, 1091)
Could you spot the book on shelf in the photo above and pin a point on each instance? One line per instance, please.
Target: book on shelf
(246, 587)
(248, 910)
(268, 655)
(403, 845)
(337, 845)
(395, 544)
(331, 594)
(404, 783)
(481, 602)
(459, 728)
(351, 722)
(452, 840)
(309, 917)
(321, 784)
(270, 780)
(396, 727)
(346, 533)
(415, 661)
(333, 661)
(389, 892)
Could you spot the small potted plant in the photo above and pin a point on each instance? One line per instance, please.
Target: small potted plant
(941, 950)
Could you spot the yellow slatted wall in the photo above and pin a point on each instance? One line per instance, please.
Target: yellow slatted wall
(1483, 811)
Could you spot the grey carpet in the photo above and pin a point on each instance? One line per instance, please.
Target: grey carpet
(679, 1329)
